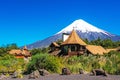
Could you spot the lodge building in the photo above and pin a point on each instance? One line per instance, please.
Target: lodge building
(74, 45)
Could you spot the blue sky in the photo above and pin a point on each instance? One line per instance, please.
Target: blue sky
(26, 21)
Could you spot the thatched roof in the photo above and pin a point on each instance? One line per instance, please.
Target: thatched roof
(25, 48)
(26, 53)
(18, 52)
(113, 49)
(74, 39)
(54, 44)
(118, 48)
(15, 51)
(96, 49)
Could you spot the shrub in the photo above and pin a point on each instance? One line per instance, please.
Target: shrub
(108, 63)
(46, 61)
(8, 63)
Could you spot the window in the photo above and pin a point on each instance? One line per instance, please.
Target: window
(73, 48)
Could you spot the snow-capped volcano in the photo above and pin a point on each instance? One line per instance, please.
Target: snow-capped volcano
(83, 29)
(82, 26)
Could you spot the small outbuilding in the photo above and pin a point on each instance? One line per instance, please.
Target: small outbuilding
(24, 53)
(54, 46)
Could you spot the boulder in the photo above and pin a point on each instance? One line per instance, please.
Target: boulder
(15, 74)
(34, 75)
(81, 71)
(97, 72)
(2, 77)
(43, 72)
(65, 71)
(18, 74)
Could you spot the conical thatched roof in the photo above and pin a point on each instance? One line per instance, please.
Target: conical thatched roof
(25, 48)
(96, 49)
(26, 53)
(74, 39)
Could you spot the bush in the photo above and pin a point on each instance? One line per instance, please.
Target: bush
(112, 65)
(8, 63)
(109, 62)
(48, 62)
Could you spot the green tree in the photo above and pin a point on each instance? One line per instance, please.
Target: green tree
(11, 46)
(35, 51)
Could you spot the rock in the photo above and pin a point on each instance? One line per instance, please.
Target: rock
(81, 71)
(2, 77)
(37, 74)
(34, 75)
(65, 71)
(99, 72)
(31, 76)
(43, 72)
(17, 74)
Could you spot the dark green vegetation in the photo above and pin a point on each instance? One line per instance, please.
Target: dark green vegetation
(107, 43)
(6, 48)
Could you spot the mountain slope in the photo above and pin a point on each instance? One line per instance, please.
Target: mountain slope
(84, 30)
(82, 26)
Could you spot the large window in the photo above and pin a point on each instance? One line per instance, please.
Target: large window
(65, 49)
(73, 48)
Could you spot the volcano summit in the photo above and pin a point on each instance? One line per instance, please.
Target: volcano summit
(83, 29)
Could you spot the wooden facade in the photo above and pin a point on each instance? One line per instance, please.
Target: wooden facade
(73, 45)
(73, 49)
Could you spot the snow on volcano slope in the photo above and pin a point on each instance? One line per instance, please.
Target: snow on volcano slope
(82, 26)
(83, 29)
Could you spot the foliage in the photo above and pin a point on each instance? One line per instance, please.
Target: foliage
(5, 48)
(39, 50)
(9, 63)
(109, 62)
(106, 43)
(112, 65)
(35, 51)
(41, 59)
(48, 62)
(11, 46)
